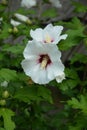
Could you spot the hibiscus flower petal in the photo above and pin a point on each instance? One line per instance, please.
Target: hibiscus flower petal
(37, 34)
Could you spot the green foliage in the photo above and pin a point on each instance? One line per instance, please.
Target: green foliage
(79, 7)
(7, 115)
(50, 13)
(1, 128)
(80, 123)
(17, 49)
(75, 24)
(75, 34)
(79, 104)
(59, 120)
(79, 57)
(4, 31)
(25, 105)
(72, 80)
(37, 94)
(7, 74)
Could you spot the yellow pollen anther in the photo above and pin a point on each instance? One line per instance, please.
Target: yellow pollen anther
(44, 62)
(48, 39)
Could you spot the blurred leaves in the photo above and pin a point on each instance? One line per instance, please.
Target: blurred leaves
(7, 115)
(72, 79)
(79, 57)
(14, 49)
(79, 7)
(80, 103)
(7, 74)
(4, 31)
(75, 34)
(33, 105)
(75, 24)
(28, 94)
(50, 13)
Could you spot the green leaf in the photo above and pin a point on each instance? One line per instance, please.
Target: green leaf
(79, 7)
(72, 79)
(25, 12)
(71, 73)
(7, 74)
(4, 31)
(15, 49)
(2, 7)
(80, 122)
(68, 84)
(27, 94)
(75, 34)
(1, 56)
(79, 58)
(73, 39)
(75, 23)
(79, 104)
(2, 128)
(50, 13)
(75, 128)
(45, 93)
(7, 115)
(58, 120)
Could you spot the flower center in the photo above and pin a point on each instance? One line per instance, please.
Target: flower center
(44, 61)
(48, 39)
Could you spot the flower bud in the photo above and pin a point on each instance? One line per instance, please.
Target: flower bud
(10, 30)
(30, 81)
(15, 30)
(2, 102)
(5, 94)
(28, 21)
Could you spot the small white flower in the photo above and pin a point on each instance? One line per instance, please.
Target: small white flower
(4, 84)
(56, 3)
(28, 3)
(1, 19)
(14, 23)
(42, 62)
(60, 77)
(50, 34)
(22, 18)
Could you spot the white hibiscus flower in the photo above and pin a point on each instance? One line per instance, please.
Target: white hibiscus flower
(42, 62)
(22, 18)
(28, 3)
(56, 3)
(50, 34)
(14, 23)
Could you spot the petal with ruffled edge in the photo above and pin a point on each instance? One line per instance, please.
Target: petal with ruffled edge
(50, 34)
(55, 69)
(60, 77)
(37, 34)
(32, 69)
(32, 65)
